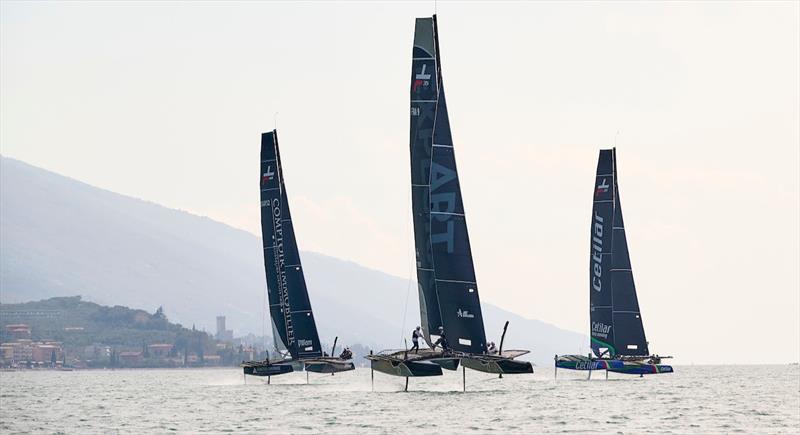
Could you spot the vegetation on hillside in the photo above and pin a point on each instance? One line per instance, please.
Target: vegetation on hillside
(78, 325)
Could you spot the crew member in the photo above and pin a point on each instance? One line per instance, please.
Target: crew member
(442, 340)
(415, 336)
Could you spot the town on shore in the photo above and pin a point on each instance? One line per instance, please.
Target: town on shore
(69, 333)
(66, 333)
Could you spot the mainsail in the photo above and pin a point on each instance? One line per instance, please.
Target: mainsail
(616, 323)
(293, 325)
(448, 293)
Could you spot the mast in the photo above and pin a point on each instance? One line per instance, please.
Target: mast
(448, 291)
(293, 325)
(615, 321)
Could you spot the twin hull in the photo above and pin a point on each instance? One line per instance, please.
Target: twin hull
(497, 365)
(398, 366)
(332, 365)
(406, 368)
(322, 365)
(267, 369)
(580, 362)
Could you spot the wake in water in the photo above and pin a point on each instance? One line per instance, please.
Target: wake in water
(696, 399)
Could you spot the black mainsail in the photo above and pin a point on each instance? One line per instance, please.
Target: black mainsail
(617, 333)
(448, 292)
(293, 325)
(616, 322)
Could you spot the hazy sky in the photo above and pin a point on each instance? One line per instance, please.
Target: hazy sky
(166, 102)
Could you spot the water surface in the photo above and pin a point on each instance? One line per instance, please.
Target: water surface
(695, 399)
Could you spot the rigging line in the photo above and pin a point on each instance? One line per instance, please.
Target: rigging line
(408, 245)
(264, 309)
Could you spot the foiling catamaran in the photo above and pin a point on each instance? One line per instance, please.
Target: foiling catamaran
(294, 330)
(617, 334)
(448, 293)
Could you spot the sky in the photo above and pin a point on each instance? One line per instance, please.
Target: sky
(166, 102)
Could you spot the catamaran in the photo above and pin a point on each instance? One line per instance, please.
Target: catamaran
(617, 334)
(294, 330)
(448, 292)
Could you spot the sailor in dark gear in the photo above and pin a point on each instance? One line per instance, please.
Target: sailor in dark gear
(415, 336)
(442, 340)
(346, 354)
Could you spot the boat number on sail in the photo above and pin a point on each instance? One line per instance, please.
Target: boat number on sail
(443, 204)
(279, 266)
(464, 314)
(267, 175)
(601, 188)
(597, 250)
(421, 79)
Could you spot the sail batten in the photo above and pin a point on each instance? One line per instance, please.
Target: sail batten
(445, 272)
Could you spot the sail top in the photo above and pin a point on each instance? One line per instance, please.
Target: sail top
(615, 320)
(293, 325)
(448, 290)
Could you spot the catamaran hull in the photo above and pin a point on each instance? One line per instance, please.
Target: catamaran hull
(581, 362)
(446, 363)
(268, 370)
(496, 365)
(323, 366)
(637, 368)
(406, 368)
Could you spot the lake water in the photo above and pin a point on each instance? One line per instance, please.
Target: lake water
(695, 399)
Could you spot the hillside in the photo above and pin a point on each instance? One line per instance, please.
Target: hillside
(76, 323)
(61, 237)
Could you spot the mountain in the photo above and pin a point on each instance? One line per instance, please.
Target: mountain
(62, 237)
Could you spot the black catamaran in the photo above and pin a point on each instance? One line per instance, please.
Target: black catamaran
(294, 330)
(617, 334)
(448, 292)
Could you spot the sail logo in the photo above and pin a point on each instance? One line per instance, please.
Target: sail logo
(600, 329)
(443, 205)
(597, 252)
(267, 176)
(421, 79)
(280, 262)
(602, 187)
(304, 343)
(464, 314)
(586, 365)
